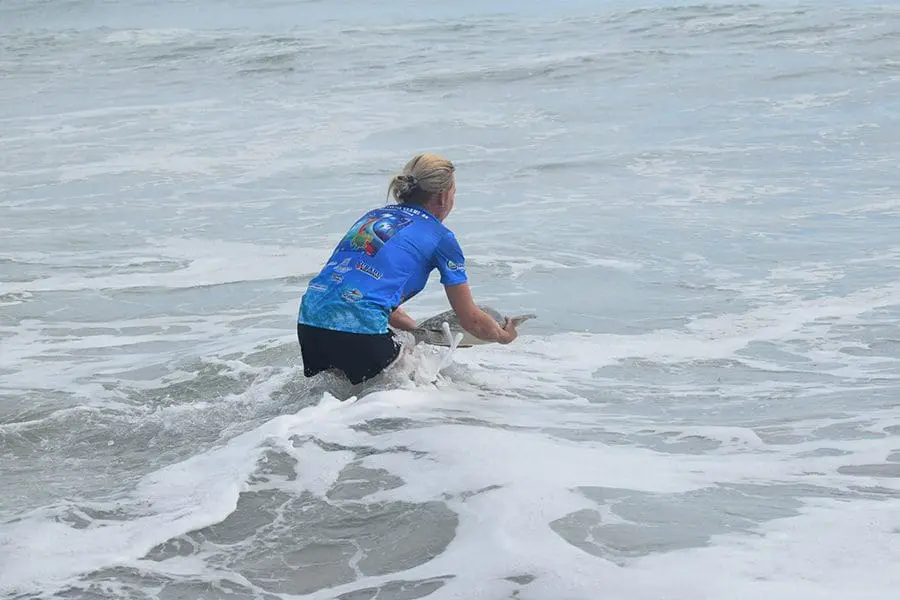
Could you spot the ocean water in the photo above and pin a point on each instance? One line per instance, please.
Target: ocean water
(699, 200)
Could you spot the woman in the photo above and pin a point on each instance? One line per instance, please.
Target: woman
(382, 261)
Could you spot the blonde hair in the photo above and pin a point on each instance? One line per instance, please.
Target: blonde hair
(424, 176)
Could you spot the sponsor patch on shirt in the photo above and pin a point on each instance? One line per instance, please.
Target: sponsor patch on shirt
(369, 270)
(351, 295)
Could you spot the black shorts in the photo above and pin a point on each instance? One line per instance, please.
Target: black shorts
(360, 356)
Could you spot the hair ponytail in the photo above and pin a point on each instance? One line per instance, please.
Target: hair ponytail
(424, 176)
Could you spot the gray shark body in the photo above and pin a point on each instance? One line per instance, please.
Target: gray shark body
(430, 331)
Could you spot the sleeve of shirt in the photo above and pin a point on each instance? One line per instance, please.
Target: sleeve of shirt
(450, 260)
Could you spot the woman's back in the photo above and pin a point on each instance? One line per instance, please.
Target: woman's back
(383, 260)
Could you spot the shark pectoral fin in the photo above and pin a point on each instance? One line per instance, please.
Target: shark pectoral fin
(519, 319)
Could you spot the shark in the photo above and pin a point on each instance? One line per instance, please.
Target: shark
(433, 331)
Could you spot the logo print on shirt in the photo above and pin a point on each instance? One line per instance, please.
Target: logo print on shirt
(368, 270)
(351, 295)
(344, 267)
(414, 211)
(455, 266)
(372, 232)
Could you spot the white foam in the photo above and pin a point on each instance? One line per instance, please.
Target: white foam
(527, 481)
(527, 477)
(539, 472)
(174, 500)
(733, 439)
(209, 262)
(518, 265)
(150, 37)
(813, 272)
(35, 358)
(888, 206)
(717, 337)
(55, 124)
(836, 549)
(802, 102)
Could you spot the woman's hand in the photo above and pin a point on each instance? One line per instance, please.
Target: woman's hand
(509, 332)
(476, 321)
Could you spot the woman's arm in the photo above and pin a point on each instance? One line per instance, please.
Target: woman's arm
(476, 321)
(400, 320)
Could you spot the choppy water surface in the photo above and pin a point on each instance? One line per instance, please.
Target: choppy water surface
(700, 201)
